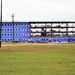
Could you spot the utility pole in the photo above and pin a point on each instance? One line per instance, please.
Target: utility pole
(13, 26)
(0, 21)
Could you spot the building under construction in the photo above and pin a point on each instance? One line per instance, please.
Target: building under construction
(55, 31)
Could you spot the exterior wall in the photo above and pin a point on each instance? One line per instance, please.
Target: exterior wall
(50, 39)
(22, 34)
(53, 39)
(21, 31)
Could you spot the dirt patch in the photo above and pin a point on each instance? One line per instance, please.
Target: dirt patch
(24, 44)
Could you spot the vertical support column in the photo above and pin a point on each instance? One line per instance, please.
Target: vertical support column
(66, 29)
(0, 21)
(73, 29)
(59, 29)
(30, 29)
(45, 30)
(51, 30)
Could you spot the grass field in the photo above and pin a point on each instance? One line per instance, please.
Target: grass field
(37, 59)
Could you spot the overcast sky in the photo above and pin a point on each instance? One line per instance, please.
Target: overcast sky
(39, 10)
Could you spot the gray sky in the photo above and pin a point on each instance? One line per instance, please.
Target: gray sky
(39, 10)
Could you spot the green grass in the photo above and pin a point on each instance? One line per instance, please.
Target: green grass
(51, 59)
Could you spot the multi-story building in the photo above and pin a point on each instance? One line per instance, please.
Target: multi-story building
(38, 31)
